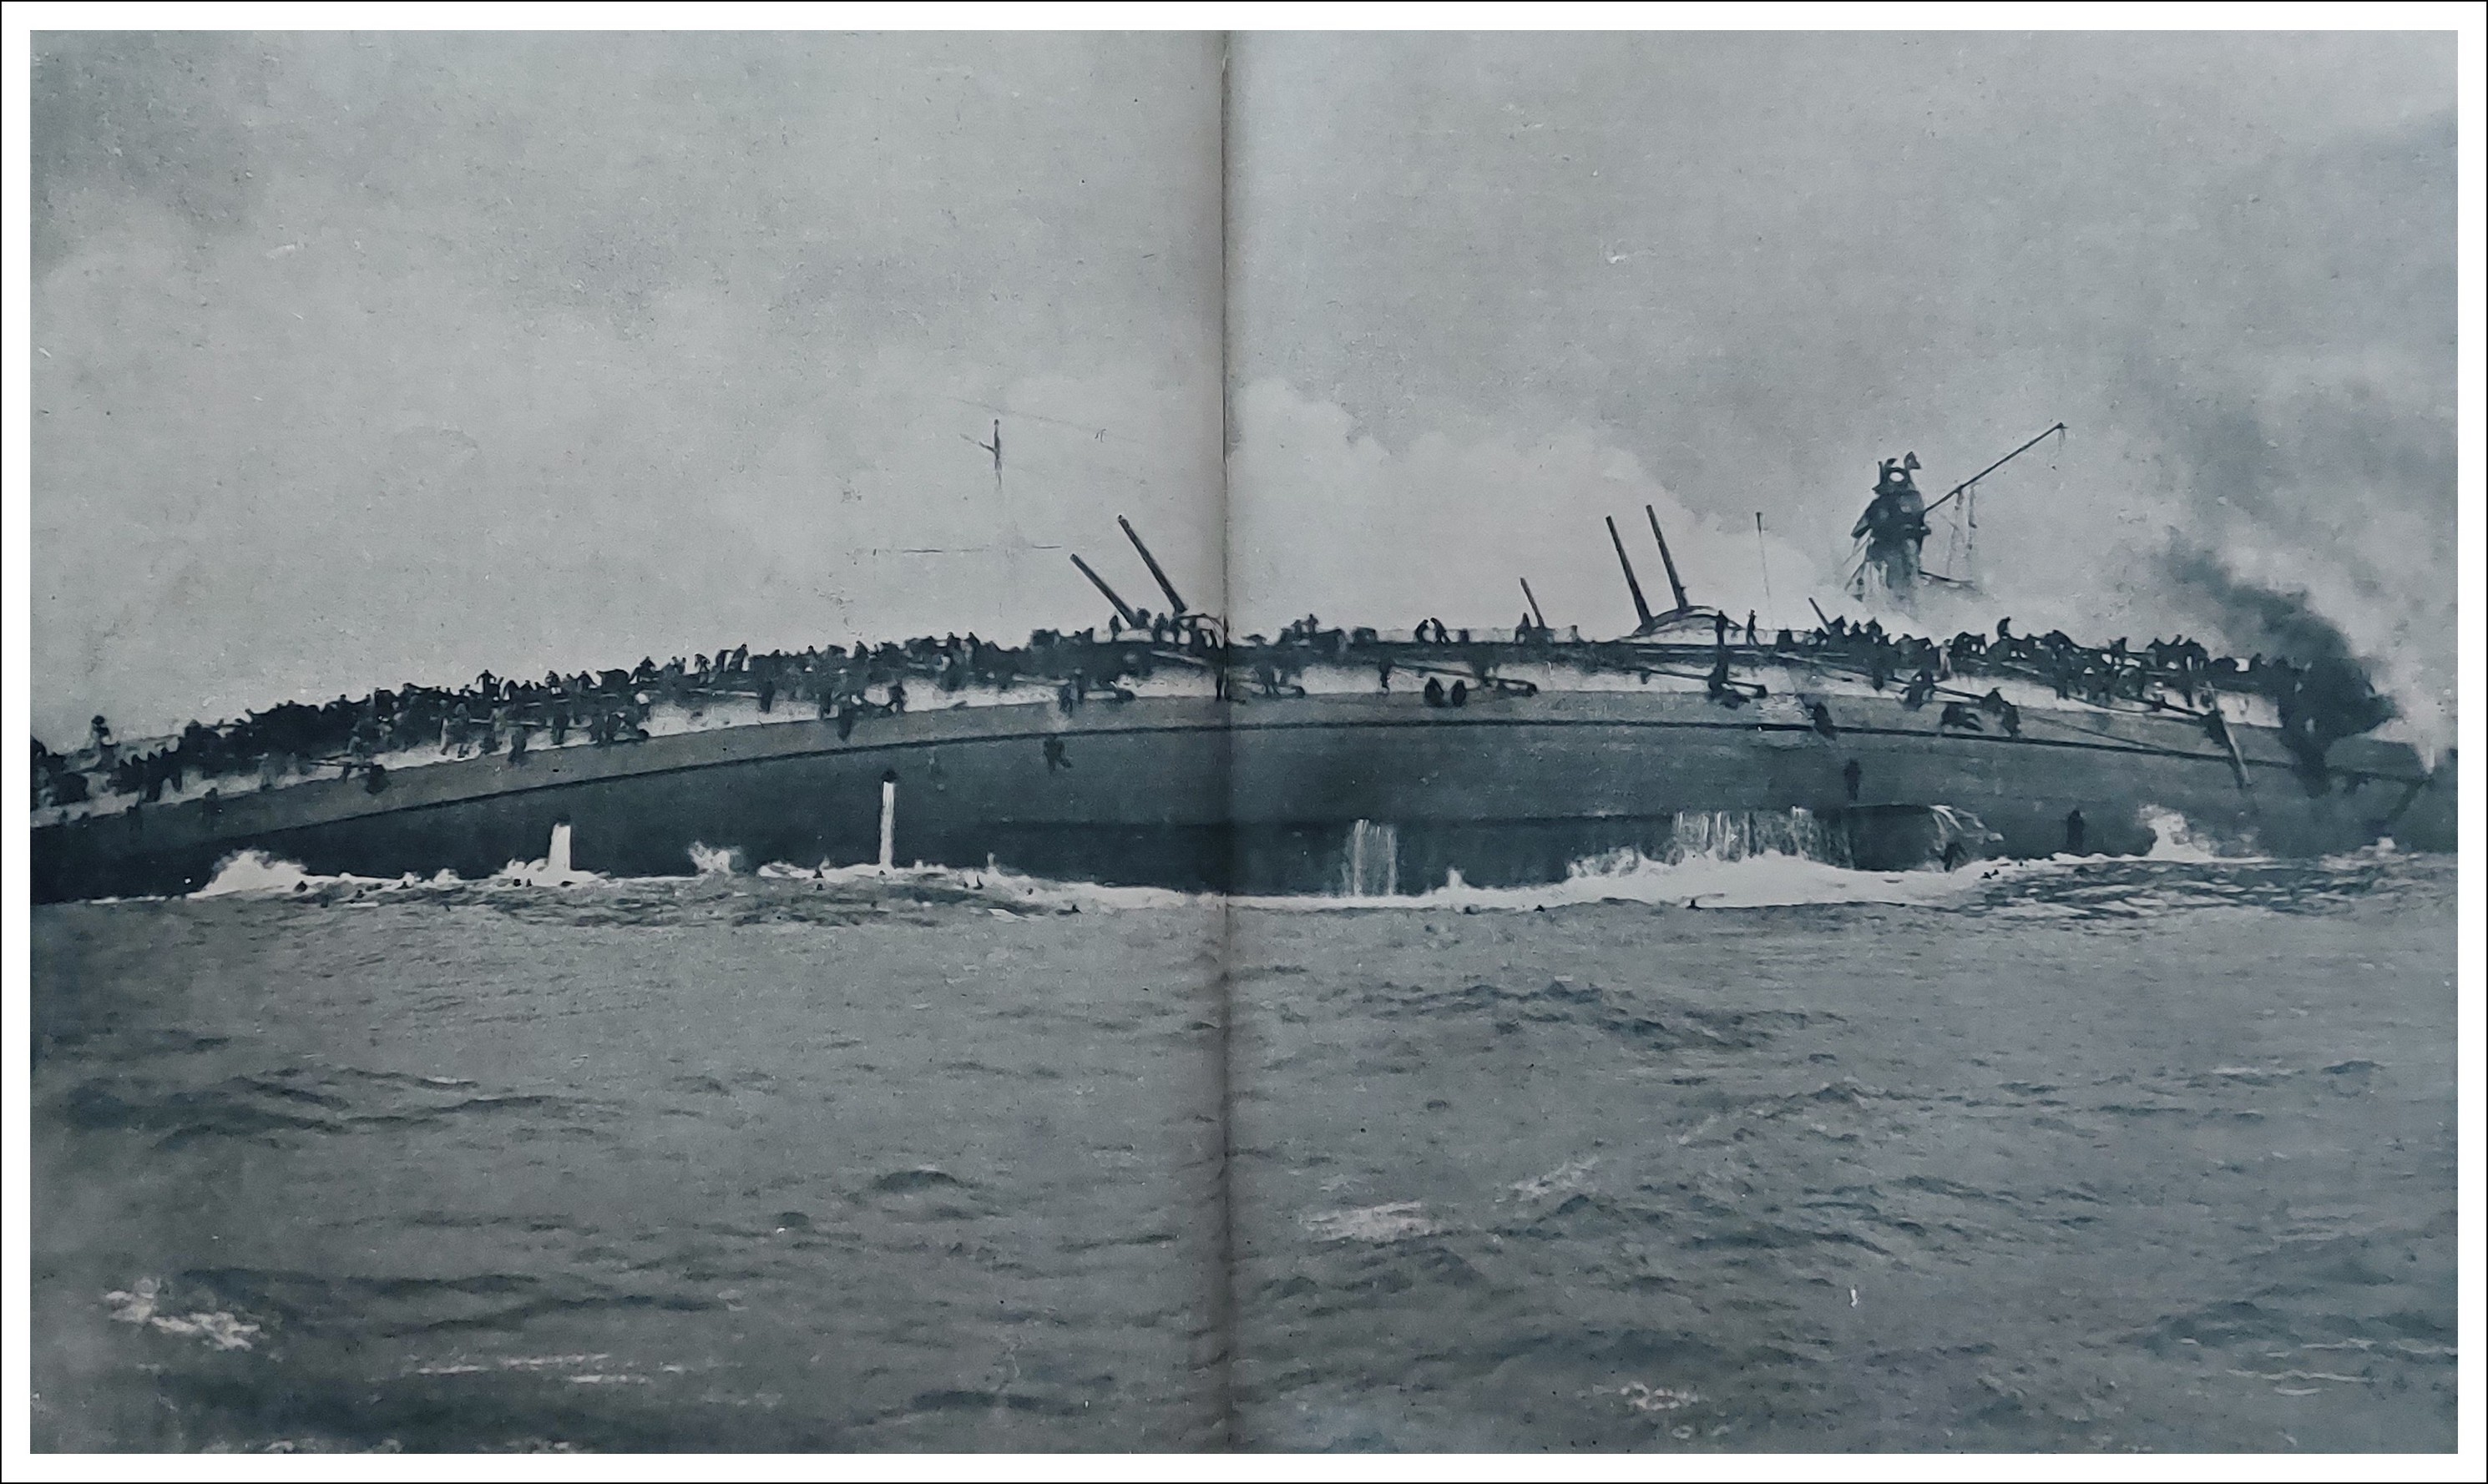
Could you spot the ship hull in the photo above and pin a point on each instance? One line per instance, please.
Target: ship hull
(1268, 795)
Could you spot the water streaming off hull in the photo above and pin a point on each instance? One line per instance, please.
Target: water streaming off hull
(1740, 834)
(1372, 865)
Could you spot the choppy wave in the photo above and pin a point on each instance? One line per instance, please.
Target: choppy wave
(1764, 1180)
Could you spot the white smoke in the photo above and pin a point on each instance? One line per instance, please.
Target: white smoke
(1325, 518)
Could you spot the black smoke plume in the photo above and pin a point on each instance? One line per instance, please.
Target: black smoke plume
(2324, 693)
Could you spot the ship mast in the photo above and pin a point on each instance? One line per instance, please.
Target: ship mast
(1966, 527)
(1966, 493)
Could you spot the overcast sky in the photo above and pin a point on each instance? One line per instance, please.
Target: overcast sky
(1488, 288)
(363, 359)
(366, 359)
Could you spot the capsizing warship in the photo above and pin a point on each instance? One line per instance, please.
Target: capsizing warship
(1324, 760)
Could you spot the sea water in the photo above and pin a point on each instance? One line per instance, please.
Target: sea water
(1750, 1153)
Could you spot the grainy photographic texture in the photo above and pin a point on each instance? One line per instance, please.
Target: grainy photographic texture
(1690, 743)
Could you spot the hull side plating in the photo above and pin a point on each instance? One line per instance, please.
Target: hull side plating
(1270, 796)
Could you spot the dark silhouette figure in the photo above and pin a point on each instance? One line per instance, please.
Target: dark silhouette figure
(1851, 775)
(2077, 832)
(1459, 692)
(1055, 755)
(1821, 714)
(1433, 691)
(1894, 526)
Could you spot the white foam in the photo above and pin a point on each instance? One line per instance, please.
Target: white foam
(994, 882)
(138, 1304)
(1569, 1178)
(533, 873)
(1765, 880)
(2172, 838)
(712, 860)
(2383, 849)
(1394, 1222)
(1642, 1396)
(258, 874)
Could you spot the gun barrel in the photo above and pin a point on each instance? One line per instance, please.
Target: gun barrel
(1534, 611)
(1641, 604)
(1674, 582)
(1130, 618)
(1155, 570)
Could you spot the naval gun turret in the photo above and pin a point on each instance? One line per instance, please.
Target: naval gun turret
(1687, 614)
